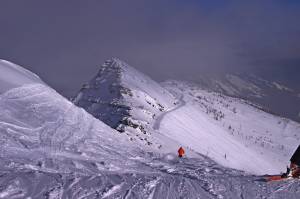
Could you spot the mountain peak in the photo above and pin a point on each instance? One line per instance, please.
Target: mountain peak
(115, 63)
(121, 96)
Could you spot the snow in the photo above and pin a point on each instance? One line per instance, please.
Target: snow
(125, 99)
(112, 190)
(234, 85)
(219, 126)
(50, 148)
(226, 87)
(195, 131)
(267, 93)
(37, 119)
(243, 85)
(12, 76)
(234, 133)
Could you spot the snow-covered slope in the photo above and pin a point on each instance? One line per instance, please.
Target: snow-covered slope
(42, 132)
(233, 132)
(12, 76)
(125, 99)
(37, 124)
(51, 149)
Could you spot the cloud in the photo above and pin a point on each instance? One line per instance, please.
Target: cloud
(66, 42)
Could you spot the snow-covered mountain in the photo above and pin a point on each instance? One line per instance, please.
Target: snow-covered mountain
(125, 99)
(42, 132)
(49, 148)
(37, 124)
(274, 96)
(233, 132)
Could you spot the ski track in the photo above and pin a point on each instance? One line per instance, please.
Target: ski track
(159, 119)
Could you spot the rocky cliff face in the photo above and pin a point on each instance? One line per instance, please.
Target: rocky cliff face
(125, 99)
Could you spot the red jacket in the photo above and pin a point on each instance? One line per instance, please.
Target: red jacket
(180, 152)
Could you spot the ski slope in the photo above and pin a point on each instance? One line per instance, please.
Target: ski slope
(49, 148)
(233, 132)
(230, 131)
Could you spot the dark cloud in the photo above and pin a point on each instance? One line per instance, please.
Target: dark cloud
(65, 41)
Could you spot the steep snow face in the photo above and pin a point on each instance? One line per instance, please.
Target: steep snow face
(12, 75)
(125, 99)
(233, 132)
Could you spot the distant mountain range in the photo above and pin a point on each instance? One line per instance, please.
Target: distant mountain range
(273, 96)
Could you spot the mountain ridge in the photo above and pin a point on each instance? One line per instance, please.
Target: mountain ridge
(51, 148)
(125, 99)
(189, 116)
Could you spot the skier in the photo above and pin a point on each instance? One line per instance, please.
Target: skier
(293, 171)
(295, 164)
(180, 152)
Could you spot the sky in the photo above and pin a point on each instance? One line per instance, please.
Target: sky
(65, 42)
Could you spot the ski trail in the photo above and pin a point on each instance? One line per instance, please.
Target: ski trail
(158, 120)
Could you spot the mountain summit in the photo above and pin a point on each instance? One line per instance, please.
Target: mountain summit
(233, 132)
(124, 98)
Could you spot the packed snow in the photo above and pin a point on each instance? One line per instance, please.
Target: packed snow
(49, 148)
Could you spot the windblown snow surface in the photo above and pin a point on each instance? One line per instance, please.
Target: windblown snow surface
(49, 148)
(12, 75)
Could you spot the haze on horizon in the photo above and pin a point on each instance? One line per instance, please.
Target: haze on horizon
(66, 42)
